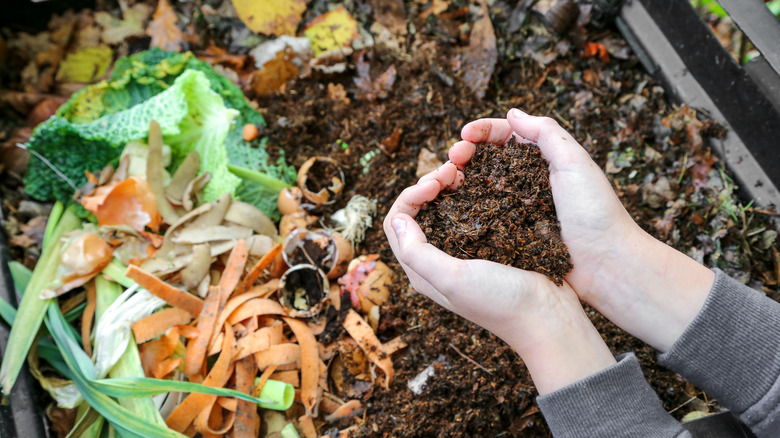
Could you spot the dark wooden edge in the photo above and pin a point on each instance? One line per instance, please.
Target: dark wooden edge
(762, 28)
(746, 108)
(24, 416)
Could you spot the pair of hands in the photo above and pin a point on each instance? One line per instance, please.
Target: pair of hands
(618, 268)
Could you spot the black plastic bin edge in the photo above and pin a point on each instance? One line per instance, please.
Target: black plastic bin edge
(24, 417)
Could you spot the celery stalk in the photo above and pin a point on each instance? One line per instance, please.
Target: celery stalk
(116, 271)
(129, 364)
(32, 309)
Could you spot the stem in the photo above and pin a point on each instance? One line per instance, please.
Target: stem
(116, 271)
(32, 309)
(129, 365)
(88, 423)
(263, 179)
(54, 219)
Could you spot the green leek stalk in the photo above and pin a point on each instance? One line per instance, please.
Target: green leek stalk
(32, 308)
(263, 179)
(129, 364)
(276, 395)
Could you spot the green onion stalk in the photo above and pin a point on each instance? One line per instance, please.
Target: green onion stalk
(32, 308)
(129, 364)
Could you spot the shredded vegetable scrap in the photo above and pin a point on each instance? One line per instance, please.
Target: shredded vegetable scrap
(197, 348)
(129, 202)
(113, 328)
(310, 365)
(258, 268)
(154, 173)
(347, 410)
(158, 323)
(368, 342)
(192, 406)
(173, 296)
(87, 316)
(247, 424)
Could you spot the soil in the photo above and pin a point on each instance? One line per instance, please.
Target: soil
(615, 110)
(503, 212)
(462, 400)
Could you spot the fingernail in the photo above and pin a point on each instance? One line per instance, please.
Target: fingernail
(517, 114)
(399, 226)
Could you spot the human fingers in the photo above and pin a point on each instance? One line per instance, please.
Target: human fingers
(461, 153)
(408, 203)
(557, 145)
(438, 269)
(419, 284)
(413, 197)
(446, 174)
(496, 131)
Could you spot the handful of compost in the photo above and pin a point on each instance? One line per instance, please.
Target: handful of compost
(503, 212)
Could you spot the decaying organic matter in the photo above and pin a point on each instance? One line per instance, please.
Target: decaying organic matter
(503, 212)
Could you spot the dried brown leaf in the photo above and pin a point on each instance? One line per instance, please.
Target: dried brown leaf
(275, 73)
(391, 14)
(271, 17)
(163, 29)
(372, 89)
(479, 58)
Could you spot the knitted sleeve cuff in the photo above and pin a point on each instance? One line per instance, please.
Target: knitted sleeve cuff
(614, 402)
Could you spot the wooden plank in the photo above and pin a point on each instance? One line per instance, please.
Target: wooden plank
(661, 57)
(759, 25)
(675, 44)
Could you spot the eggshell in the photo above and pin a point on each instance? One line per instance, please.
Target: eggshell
(289, 200)
(297, 277)
(294, 221)
(325, 195)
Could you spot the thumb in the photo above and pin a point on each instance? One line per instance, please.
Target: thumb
(556, 144)
(417, 254)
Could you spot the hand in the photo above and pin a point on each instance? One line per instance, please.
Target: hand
(644, 286)
(544, 323)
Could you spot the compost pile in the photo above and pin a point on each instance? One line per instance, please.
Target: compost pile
(503, 212)
(383, 88)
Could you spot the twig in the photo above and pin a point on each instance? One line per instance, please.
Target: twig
(678, 407)
(684, 166)
(762, 211)
(565, 122)
(470, 359)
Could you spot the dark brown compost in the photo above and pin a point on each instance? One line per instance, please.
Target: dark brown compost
(503, 212)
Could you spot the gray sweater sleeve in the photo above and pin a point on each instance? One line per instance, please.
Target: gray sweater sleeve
(615, 402)
(731, 350)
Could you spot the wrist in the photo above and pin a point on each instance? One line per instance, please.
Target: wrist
(652, 291)
(561, 346)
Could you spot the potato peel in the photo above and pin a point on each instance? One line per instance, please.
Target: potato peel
(369, 343)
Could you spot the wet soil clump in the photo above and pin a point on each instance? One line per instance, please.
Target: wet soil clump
(503, 212)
